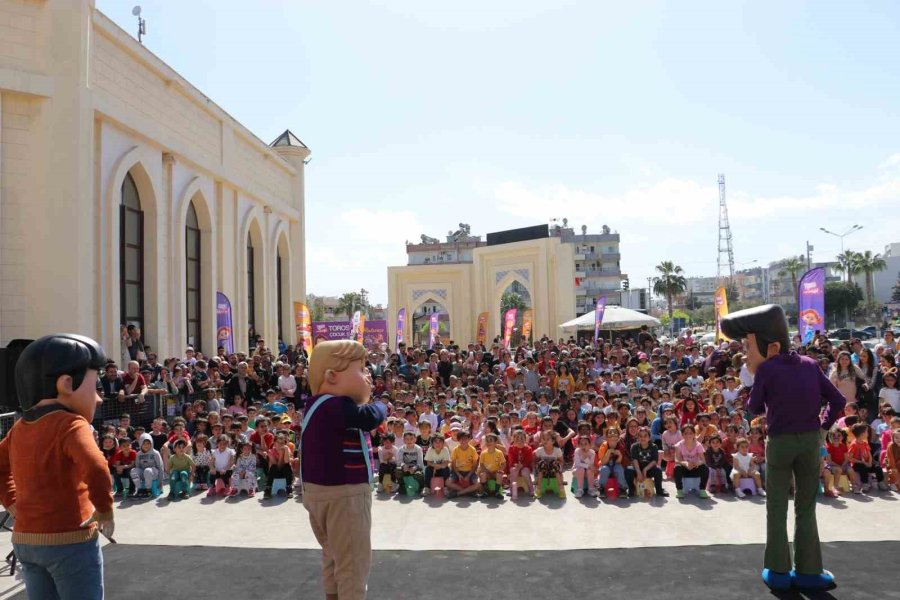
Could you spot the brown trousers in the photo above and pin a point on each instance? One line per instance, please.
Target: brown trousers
(341, 519)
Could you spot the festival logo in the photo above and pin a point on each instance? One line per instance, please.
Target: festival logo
(811, 301)
(224, 331)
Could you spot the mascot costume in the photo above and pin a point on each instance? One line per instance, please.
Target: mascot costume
(791, 390)
(336, 464)
(53, 477)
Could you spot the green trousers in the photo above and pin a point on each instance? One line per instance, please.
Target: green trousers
(793, 455)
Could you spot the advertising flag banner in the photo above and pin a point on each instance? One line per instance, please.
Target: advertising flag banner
(361, 329)
(598, 316)
(374, 335)
(481, 331)
(401, 322)
(224, 331)
(433, 328)
(527, 318)
(720, 304)
(303, 325)
(509, 322)
(811, 299)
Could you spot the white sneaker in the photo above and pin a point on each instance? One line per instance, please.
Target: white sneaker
(593, 493)
(740, 493)
(579, 493)
(760, 492)
(866, 488)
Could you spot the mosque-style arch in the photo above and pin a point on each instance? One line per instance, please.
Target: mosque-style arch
(283, 286)
(514, 282)
(420, 319)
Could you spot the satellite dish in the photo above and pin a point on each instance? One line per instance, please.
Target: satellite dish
(136, 11)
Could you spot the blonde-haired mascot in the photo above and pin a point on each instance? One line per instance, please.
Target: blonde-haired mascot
(337, 464)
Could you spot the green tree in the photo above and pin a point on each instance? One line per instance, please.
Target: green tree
(351, 302)
(792, 266)
(510, 300)
(316, 307)
(669, 283)
(869, 264)
(848, 262)
(842, 298)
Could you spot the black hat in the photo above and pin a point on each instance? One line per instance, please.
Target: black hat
(767, 322)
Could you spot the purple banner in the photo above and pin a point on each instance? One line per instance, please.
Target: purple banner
(598, 316)
(811, 304)
(374, 334)
(401, 322)
(433, 329)
(224, 331)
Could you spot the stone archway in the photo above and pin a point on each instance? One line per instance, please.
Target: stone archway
(420, 319)
(518, 281)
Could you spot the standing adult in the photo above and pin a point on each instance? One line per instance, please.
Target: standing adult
(790, 389)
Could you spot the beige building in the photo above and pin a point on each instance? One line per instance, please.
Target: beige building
(542, 270)
(126, 195)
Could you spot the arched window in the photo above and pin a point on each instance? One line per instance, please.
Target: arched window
(278, 293)
(192, 277)
(131, 255)
(251, 294)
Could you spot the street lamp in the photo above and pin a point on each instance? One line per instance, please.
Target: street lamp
(842, 235)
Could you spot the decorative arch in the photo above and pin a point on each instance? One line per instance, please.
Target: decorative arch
(109, 314)
(419, 298)
(503, 280)
(193, 195)
(253, 276)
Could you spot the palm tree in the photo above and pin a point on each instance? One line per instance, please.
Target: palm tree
(669, 283)
(792, 266)
(869, 263)
(848, 262)
(350, 303)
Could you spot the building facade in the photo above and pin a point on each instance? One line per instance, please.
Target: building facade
(129, 197)
(598, 270)
(541, 271)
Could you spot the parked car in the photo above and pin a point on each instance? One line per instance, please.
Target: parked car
(845, 334)
(871, 330)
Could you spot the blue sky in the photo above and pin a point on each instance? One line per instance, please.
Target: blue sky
(505, 114)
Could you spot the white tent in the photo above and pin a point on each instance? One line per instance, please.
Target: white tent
(615, 318)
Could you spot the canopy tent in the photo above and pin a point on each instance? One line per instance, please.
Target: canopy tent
(615, 318)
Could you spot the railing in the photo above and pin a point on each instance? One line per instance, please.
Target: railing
(7, 420)
(141, 412)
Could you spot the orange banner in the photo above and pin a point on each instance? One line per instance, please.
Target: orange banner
(303, 323)
(481, 331)
(527, 318)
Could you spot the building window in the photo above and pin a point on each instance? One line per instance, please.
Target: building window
(131, 255)
(192, 276)
(251, 294)
(278, 287)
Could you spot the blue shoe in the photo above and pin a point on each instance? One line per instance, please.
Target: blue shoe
(822, 581)
(776, 581)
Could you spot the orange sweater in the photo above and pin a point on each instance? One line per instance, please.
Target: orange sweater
(54, 473)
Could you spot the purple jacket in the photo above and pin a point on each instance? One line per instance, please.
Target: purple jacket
(791, 390)
(330, 448)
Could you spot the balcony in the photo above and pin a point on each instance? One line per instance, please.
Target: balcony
(580, 274)
(580, 291)
(602, 273)
(607, 256)
(579, 256)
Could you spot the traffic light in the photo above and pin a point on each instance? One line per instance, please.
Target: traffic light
(624, 285)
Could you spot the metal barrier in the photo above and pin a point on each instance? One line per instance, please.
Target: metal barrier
(141, 412)
(7, 420)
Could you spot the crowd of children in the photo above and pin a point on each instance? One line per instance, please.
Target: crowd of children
(616, 417)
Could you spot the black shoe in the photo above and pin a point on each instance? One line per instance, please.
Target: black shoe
(267, 494)
(662, 493)
(632, 493)
(183, 495)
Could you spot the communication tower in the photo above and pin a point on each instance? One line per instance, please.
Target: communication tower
(725, 269)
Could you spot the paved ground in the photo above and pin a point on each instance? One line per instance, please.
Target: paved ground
(404, 524)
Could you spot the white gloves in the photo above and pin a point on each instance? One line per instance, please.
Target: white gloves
(106, 527)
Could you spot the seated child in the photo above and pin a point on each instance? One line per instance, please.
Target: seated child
(670, 437)
(717, 460)
(744, 467)
(244, 471)
(519, 462)
(892, 460)
(690, 462)
(549, 463)
(279, 466)
(148, 467)
(583, 463)
(644, 464)
(120, 465)
(202, 461)
(222, 464)
(463, 460)
(181, 469)
(491, 463)
(437, 461)
(861, 460)
(612, 458)
(837, 461)
(387, 460)
(758, 449)
(410, 461)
